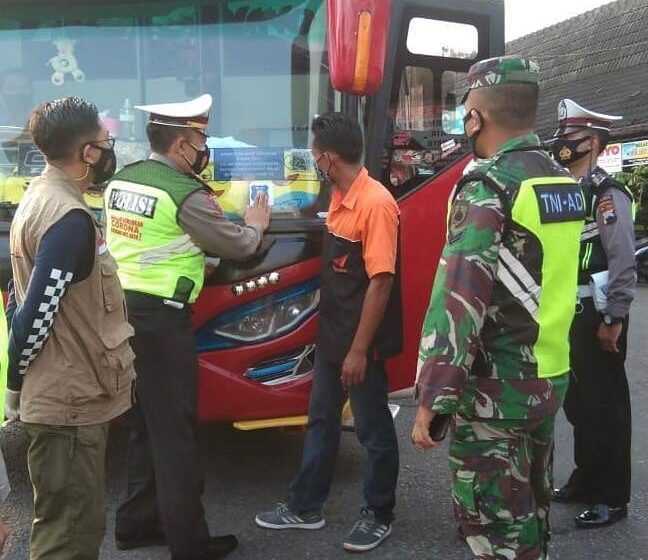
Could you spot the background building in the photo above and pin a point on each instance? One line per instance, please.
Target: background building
(600, 60)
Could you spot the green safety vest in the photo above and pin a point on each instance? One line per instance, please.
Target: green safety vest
(4, 355)
(552, 210)
(155, 255)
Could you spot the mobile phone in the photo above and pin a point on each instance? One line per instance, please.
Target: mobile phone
(439, 427)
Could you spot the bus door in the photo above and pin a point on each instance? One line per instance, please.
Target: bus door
(419, 150)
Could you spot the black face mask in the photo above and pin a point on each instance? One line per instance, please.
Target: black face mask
(565, 151)
(106, 165)
(202, 159)
(473, 139)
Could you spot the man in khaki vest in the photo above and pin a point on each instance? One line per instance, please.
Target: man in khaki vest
(70, 363)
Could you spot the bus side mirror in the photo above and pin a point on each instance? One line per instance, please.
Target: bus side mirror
(358, 31)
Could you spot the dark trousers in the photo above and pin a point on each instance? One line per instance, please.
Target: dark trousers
(598, 407)
(375, 430)
(165, 473)
(67, 471)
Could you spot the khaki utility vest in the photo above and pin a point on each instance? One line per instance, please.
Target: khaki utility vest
(84, 372)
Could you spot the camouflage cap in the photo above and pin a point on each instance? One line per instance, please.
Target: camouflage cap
(502, 70)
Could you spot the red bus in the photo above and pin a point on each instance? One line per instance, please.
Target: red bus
(271, 65)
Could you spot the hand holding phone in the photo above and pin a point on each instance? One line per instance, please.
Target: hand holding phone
(439, 427)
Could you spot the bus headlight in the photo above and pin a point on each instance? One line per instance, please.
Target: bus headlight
(262, 319)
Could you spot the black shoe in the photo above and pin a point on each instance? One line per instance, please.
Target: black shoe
(570, 494)
(156, 538)
(600, 515)
(218, 547)
(221, 546)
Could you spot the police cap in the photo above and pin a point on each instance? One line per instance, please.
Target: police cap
(573, 117)
(185, 114)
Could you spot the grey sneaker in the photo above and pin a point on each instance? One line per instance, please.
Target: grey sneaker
(283, 518)
(367, 533)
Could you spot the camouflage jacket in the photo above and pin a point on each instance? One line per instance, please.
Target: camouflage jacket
(476, 354)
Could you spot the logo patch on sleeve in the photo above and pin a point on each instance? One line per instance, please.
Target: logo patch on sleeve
(133, 203)
(560, 203)
(607, 209)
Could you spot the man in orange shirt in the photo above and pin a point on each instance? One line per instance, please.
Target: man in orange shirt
(359, 327)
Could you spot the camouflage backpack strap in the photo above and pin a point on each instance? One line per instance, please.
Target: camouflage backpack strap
(497, 189)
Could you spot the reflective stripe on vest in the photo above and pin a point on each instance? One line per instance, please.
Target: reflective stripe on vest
(155, 255)
(589, 231)
(551, 304)
(518, 281)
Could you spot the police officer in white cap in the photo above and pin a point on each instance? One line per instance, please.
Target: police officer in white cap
(598, 400)
(162, 220)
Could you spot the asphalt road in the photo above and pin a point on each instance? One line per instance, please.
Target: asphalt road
(250, 471)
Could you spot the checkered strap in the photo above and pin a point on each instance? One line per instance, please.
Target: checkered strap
(48, 307)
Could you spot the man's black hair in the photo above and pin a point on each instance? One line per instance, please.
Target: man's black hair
(61, 126)
(162, 136)
(335, 132)
(513, 106)
(604, 138)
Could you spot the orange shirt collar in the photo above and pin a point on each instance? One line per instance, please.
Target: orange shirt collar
(349, 199)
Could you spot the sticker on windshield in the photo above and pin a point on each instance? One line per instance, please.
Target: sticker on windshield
(257, 188)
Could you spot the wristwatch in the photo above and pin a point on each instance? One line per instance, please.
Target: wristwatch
(609, 320)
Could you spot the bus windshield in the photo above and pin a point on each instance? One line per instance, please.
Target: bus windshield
(263, 61)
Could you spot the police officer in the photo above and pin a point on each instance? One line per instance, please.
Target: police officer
(494, 352)
(161, 221)
(598, 401)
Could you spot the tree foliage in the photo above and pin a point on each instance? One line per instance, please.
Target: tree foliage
(637, 181)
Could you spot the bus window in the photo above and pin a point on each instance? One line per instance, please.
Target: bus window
(426, 127)
(431, 37)
(264, 64)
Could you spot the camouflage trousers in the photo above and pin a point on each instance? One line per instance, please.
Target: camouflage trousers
(501, 486)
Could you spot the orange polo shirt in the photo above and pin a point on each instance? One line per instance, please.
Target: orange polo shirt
(367, 213)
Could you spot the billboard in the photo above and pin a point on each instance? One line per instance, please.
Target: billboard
(611, 158)
(634, 153)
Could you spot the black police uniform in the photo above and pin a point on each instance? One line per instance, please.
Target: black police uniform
(598, 400)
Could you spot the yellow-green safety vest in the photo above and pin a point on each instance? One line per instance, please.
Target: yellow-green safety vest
(552, 209)
(155, 255)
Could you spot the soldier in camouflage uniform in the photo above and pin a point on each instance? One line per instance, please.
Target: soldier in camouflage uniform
(494, 353)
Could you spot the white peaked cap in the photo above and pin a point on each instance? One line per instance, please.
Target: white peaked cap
(572, 116)
(185, 114)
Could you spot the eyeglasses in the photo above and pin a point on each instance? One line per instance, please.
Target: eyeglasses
(110, 140)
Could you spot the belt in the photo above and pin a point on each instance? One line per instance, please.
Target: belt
(585, 292)
(136, 298)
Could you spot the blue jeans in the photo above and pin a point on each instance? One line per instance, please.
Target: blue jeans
(375, 430)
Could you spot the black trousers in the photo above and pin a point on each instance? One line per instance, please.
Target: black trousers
(598, 407)
(165, 472)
